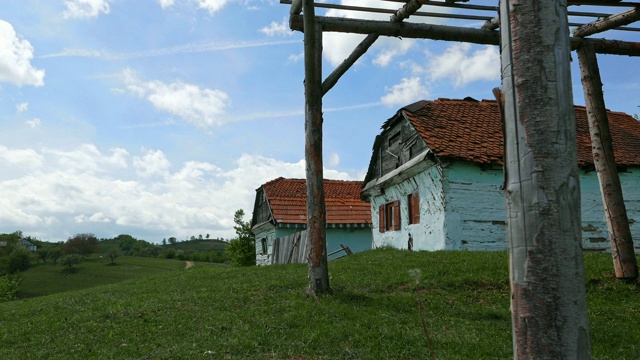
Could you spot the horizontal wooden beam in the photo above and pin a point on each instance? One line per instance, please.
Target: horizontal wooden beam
(447, 33)
(610, 22)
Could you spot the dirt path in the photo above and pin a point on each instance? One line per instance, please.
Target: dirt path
(189, 264)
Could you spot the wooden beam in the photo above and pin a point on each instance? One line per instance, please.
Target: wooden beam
(296, 7)
(615, 212)
(448, 33)
(409, 8)
(548, 296)
(316, 209)
(610, 22)
(341, 69)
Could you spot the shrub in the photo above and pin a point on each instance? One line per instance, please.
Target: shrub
(19, 260)
(9, 286)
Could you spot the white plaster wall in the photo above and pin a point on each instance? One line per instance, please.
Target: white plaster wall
(269, 233)
(428, 234)
(475, 208)
(476, 213)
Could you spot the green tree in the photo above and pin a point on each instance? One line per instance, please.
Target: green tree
(242, 249)
(43, 254)
(81, 244)
(19, 260)
(113, 254)
(173, 240)
(55, 252)
(69, 260)
(126, 243)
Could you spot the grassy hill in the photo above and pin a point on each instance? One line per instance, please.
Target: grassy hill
(46, 279)
(208, 312)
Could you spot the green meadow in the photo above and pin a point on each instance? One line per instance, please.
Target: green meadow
(386, 304)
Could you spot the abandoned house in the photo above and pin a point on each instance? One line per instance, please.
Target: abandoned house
(280, 210)
(435, 177)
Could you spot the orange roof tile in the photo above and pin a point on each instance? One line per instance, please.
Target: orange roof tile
(287, 199)
(471, 130)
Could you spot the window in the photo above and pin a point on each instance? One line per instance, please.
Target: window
(389, 216)
(263, 242)
(413, 201)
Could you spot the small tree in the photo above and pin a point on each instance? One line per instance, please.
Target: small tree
(242, 249)
(69, 260)
(55, 253)
(113, 255)
(82, 244)
(43, 254)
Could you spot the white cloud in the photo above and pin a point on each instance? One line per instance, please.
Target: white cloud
(281, 28)
(462, 68)
(22, 107)
(408, 91)
(197, 106)
(33, 123)
(15, 59)
(21, 158)
(77, 9)
(166, 3)
(385, 57)
(212, 5)
(152, 163)
(334, 159)
(54, 202)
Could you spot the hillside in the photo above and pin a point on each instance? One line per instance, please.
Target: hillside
(208, 312)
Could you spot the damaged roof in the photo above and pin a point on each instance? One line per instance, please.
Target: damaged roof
(471, 130)
(287, 200)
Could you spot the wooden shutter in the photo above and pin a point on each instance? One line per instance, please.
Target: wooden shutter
(381, 219)
(396, 214)
(414, 208)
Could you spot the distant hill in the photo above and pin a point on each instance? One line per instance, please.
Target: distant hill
(199, 245)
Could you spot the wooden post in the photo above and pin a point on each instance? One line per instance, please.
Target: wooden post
(624, 258)
(316, 210)
(548, 297)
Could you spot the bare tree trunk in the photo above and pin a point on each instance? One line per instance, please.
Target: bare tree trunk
(624, 258)
(549, 311)
(316, 210)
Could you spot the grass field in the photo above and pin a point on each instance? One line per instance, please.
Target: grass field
(45, 279)
(208, 312)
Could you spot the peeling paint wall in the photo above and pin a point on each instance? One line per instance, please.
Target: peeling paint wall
(357, 239)
(475, 207)
(463, 208)
(428, 234)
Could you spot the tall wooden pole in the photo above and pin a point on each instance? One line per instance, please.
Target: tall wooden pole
(624, 258)
(549, 310)
(316, 210)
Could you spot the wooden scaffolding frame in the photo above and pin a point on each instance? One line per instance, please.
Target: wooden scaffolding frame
(515, 43)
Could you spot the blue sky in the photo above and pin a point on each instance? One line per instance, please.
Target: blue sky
(160, 118)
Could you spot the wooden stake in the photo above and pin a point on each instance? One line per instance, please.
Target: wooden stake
(624, 258)
(316, 210)
(548, 297)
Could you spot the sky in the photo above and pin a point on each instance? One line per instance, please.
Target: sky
(160, 118)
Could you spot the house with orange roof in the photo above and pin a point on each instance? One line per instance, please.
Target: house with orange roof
(280, 210)
(435, 177)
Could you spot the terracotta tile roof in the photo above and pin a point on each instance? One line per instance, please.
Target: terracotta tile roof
(288, 201)
(470, 130)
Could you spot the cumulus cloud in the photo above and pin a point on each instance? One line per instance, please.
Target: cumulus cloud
(409, 90)
(212, 5)
(166, 3)
(33, 123)
(203, 108)
(22, 107)
(281, 28)
(78, 9)
(462, 66)
(53, 202)
(15, 59)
